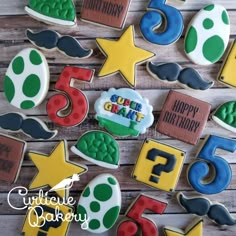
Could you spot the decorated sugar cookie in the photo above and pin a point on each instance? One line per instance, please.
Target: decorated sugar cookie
(225, 116)
(207, 35)
(160, 14)
(173, 72)
(183, 117)
(55, 12)
(194, 229)
(31, 126)
(111, 13)
(59, 167)
(163, 165)
(27, 79)
(98, 147)
(122, 56)
(123, 112)
(12, 151)
(50, 40)
(202, 206)
(210, 173)
(101, 202)
(43, 208)
(70, 107)
(228, 68)
(136, 222)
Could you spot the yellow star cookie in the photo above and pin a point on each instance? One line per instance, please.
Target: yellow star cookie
(194, 229)
(122, 56)
(54, 168)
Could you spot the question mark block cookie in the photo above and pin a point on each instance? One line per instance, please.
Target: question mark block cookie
(47, 217)
(163, 165)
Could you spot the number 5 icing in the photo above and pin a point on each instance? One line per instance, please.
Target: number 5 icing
(152, 20)
(198, 171)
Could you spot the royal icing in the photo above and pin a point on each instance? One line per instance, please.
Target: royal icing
(51, 40)
(211, 174)
(56, 12)
(122, 56)
(136, 222)
(163, 165)
(111, 13)
(98, 147)
(12, 152)
(31, 126)
(101, 202)
(58, 165)
(47, 217)
(203, 206)
(173, 72)
(123, 112)
(27, 79)
(71, 107)
(153, 19)
(183, 117)
(207, 35)
(228, 69)
(195, 228)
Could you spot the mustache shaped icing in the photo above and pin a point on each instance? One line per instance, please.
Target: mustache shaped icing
(173, 72)
(49, 39)
(33, 127)
(202, 206)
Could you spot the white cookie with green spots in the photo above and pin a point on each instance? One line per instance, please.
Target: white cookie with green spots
(208, 35)
(100, 203)
(26, 81)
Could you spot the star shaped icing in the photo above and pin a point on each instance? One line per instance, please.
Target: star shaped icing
(194, 229)
(122, 56)
(54, 168)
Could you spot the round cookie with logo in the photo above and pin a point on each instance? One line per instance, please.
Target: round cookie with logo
(100, 202)
(207, 35)
(27, 79)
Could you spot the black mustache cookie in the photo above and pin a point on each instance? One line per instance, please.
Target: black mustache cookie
(51, 40)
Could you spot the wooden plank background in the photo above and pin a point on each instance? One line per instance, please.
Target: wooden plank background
(14, 22)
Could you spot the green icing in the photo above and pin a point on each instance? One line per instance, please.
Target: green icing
(213, 48)
(227, 113)
(59, 9)
(102, 192)
(31, 86)
(82, 212)
(112, 181)
(86, 192)
(95, 206)
(27, 104)
(208, 23)
(225, 17)
(99, 146)
(94, 224)
(110, 217)
(9, 88)
(35, 58)
(191, 40)
(209, 7)
(18, 65)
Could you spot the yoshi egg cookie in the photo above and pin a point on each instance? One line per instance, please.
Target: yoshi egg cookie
(101, 202)
(98, 147)
(26, 81)
(207, 35)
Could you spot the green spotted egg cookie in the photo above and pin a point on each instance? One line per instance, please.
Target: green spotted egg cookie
(27, 79)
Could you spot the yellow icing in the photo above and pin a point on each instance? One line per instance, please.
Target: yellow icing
(228, 71)
(54, 168)
(193, 230)
(143, 168)
(122, 56)
(31, 218)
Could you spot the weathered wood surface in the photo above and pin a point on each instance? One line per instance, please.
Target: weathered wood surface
(14, 22)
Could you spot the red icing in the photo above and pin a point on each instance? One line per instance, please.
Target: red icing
(72, 97)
